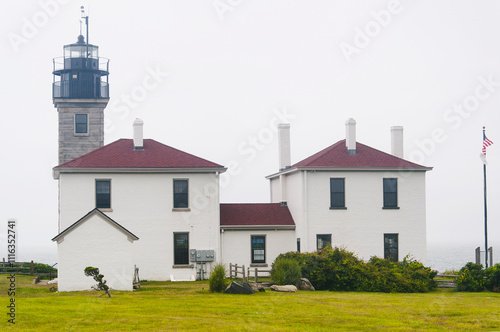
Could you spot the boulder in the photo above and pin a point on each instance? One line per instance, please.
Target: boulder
(238, 287)
(306, 285)
(286, 288)
(257, 287)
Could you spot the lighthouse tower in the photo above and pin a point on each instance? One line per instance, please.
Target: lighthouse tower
(80, 92)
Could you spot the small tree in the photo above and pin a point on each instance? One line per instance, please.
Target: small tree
(101, 283)
(218, 281)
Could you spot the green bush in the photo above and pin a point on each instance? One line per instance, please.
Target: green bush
(286, 271)
(340, 270)
(218, 281)
(492, 274)
(407, 276)
(471, 278)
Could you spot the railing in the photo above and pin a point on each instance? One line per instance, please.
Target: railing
(18, 269)
(61, 63)
(449, 282)
(236, 270)
(63, 89)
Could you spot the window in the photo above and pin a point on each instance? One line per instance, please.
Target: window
(258, 249)
(298, 244)
(103, 194)
(180, 194)
(390, 193)
(322, 240)
(337, 193)
(81, 123)
(391, 247)
(181, 248)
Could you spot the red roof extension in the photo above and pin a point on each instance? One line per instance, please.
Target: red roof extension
(336, 155)
(121, 154)
(255, 214)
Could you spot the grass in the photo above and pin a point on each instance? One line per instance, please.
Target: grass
(161, 306)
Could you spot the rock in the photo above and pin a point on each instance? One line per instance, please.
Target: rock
(238, 287)
(53, 281)
(286, 288)
(257, 288)
(306, 285)
(36, 280)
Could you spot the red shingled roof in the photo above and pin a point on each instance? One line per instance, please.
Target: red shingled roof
(336, 155)
(255, 214)
(121, 154)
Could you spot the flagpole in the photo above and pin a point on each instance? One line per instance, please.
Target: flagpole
(485, 211)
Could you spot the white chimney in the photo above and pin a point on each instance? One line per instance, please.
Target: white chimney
(138, 135)
(350, 136)
(284, 145)
(397, 141)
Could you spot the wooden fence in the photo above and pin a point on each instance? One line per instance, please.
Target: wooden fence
(448, 282)
(239, 272)
(18, 269)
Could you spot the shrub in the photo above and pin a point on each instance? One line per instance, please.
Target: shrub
(217, 280)
(286, 271)
(471, 278)
(406, 276)
(492, 274)
(340, 270)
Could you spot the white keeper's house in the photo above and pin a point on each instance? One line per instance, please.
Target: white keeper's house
(131, 203)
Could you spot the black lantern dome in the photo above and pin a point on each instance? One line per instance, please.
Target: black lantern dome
(80, 73)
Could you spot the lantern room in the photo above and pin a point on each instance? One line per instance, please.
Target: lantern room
(80, 73)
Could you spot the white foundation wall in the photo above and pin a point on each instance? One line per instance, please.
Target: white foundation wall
(361, 227)
(236, 245)
(98, 244)
(143, 204)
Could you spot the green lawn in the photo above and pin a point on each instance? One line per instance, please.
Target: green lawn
(182, 306)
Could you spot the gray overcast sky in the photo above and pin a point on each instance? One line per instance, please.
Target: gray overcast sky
(208, 77)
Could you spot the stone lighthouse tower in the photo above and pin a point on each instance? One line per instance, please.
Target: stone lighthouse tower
(80, 92)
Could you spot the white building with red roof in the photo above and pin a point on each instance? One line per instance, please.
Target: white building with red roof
(354, 196)
(147, 189)
(140, 203)
(254, 234)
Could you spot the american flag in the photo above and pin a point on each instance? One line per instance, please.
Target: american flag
(486, 143)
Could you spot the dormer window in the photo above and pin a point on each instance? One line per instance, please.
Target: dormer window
(81, 124)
